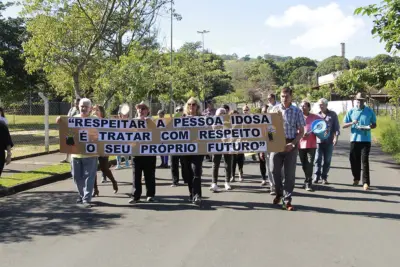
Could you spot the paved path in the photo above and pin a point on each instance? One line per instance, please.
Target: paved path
(31, 164)
(338, 225)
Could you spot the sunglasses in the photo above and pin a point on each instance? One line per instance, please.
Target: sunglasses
(192, 104)
(142, 108)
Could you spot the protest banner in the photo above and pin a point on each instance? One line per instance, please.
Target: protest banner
(229, 134)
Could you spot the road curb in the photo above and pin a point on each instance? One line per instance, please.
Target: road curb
(35, 155)
(7, 191)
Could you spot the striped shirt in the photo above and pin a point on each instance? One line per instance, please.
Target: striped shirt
(293, 119)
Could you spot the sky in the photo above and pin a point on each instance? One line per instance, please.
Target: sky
(310, 28)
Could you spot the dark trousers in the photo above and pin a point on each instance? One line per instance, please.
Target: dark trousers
(193, 168)
(2, 160)
(175, 169)
(284, 186)
(238, 159)
(359, 152)
(263, 166)
(147, 166)
(307, 157)
(105, 169)
(228, 167)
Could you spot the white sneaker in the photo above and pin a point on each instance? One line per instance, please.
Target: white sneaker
(263, 183)
(233, 179)
(214, 187)
(228, 186)
(240, 177)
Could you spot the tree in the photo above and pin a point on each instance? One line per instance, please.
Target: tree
(393, 88)
(246, 58)
(381, 59)
(332, 64)
(73, 37)
(351, 82)
(358, 64)
(290, 65)
(386, 22)
(302, 75)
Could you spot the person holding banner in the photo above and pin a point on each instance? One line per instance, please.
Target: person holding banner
(294, 129)
(123, 114)
(264, 159)
(308, 145)
(145, 164)
(193, 164)
(176, 159)
(164, 159)
(237, 159)
(217, 161)
(84, 167)
(100, 112)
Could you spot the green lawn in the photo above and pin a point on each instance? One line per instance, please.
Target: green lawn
(29, 122)
(34, 175)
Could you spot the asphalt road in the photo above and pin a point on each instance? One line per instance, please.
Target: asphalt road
(338, 225)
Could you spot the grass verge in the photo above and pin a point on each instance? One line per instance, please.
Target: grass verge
(34, 175)
(387, 135)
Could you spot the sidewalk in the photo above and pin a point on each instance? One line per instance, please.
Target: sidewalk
(31, 164)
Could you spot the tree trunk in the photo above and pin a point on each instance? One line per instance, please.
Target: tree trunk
(77, 89)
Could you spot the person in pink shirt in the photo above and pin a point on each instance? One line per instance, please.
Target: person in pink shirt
(308, 145)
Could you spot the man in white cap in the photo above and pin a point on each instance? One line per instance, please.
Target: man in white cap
(361, 119)
(325, 147)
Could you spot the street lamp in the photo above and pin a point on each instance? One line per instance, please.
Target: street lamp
(204, 81)
(170, 89)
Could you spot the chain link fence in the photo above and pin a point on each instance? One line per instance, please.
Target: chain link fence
(27, 125)
(26, 122)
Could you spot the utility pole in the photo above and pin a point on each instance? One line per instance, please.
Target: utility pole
(171, 95)
(202, 35)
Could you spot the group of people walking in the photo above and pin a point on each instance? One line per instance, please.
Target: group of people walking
(277, 169)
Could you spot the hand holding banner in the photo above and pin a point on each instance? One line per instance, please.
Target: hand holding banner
(229, 134)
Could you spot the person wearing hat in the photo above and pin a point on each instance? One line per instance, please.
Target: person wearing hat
(164, 159)
(145, 165)
(325, 147)
(361, 119)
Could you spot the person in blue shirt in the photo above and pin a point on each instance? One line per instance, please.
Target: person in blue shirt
(361, 119)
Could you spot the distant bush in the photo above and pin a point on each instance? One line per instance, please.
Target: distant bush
(387, 134)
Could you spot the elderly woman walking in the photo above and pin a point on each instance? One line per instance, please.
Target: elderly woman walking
(193, 164)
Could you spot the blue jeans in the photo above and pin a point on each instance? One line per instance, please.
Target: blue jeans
(324, 152)
(84, 171)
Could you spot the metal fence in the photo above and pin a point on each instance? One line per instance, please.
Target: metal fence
(31, 130)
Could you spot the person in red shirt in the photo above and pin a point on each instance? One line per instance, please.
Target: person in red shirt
(308, 145)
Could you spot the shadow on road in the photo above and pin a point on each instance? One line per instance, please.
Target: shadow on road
(26, 215)
(377, 215)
